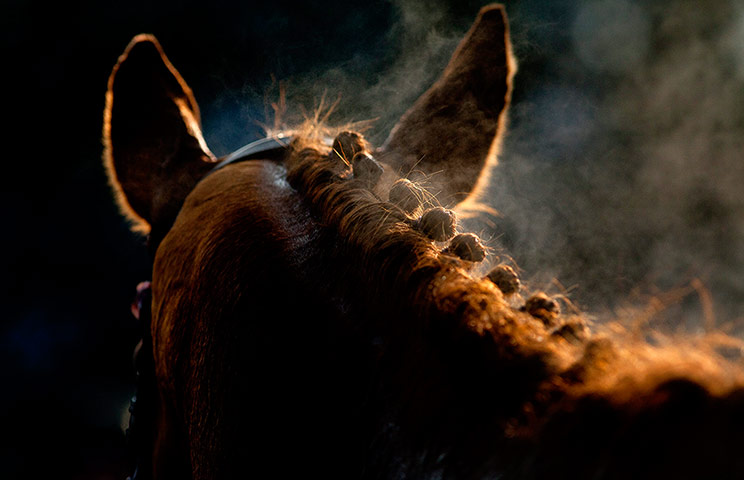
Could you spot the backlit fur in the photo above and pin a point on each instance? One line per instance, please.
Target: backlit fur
(437, 374)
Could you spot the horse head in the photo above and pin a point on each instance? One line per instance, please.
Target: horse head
(315, 306)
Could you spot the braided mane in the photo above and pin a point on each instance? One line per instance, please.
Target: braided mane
(524, 371)
(396, 257)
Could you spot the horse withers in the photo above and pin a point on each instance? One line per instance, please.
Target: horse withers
(316, 312)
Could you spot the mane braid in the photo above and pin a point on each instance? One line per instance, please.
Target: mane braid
(402, 265)
(450, 328)
(447, 312)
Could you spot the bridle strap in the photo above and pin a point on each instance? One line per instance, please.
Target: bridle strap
(259, 149)
(254, 149)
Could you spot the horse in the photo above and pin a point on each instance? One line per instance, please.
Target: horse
(315, 308)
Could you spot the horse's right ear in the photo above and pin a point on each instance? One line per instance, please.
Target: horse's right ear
(154, 149)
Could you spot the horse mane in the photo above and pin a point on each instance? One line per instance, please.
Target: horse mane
(484, 338)
(421, 355)
(398, 261)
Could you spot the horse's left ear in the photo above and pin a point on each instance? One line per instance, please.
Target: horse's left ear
(155, 153)
(452, 132)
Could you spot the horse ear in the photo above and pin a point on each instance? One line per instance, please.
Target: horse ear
(154, 149)
(451, 133)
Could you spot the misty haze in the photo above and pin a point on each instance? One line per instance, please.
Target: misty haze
(621, 171)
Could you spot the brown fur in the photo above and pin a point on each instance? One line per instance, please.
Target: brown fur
(302, 324)
(444, 359)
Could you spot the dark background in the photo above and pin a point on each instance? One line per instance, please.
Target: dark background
(621, 177)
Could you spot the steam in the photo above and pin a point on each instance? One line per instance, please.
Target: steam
(423, 40)
(623, 166)
(625, 172)
(371, 86)
(611, 35)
